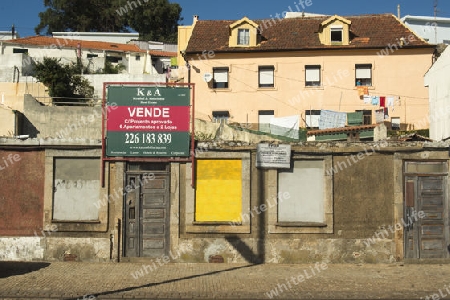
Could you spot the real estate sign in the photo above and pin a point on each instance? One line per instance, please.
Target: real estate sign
(148, 121)
(273, 156)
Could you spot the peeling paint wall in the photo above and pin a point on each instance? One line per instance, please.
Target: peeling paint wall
(366, 200)
(366, 193)
(81, 249)
(21, 248)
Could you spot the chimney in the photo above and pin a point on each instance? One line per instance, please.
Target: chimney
(195, 19)
(398, 11)
(13, 32)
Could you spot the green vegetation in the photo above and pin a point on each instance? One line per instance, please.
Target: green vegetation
(64, 81)
(155, 20)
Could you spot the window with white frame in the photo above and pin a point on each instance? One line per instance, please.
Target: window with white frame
(395, 123)
(312, 118)
(312, 75)
(363, 75)
(336, 34)
(264, 119)
(266, 76)
(220, 77)
(243, 37)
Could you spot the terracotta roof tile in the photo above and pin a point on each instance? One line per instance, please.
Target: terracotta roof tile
(162, 53)
(46, 41)
(367, 31)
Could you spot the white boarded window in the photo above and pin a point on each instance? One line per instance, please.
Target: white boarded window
(363, 74)
(220, 76)
(76, 188)
(266, 76)
(305, 185)
(312, 75)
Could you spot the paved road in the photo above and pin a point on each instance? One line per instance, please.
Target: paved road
(71, 280)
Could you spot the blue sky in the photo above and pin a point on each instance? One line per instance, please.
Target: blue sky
(24, 13)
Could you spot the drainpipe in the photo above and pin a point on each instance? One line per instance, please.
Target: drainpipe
(189, 71)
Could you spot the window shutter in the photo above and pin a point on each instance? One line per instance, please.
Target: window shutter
(312, 74)
(266, 76)
(364, 72)
(221, 75)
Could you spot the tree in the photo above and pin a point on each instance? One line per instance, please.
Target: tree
(79, 15)
(63, 80)
(156, 21)
(153, 19)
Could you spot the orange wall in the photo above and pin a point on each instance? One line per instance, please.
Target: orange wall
(398, 74)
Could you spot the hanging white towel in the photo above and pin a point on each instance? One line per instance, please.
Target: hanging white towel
(390, 101)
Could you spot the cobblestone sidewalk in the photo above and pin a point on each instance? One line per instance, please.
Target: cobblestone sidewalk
(64, 280)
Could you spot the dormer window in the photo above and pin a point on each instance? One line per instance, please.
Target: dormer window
(335, 31)
(336, 34)
(243, 37)
(243, 33)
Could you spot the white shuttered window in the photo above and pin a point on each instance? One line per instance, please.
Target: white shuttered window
(266, 76)
(312, 75)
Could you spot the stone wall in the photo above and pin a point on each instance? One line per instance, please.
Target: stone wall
(61, 122)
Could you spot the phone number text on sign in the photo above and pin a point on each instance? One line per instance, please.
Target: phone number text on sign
(148, 138)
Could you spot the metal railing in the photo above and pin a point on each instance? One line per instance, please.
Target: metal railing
(66, 101)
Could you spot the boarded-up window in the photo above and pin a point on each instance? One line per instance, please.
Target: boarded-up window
(76, 188)
(219, 190)
(305, 185)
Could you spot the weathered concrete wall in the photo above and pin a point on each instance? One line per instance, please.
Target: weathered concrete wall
(22, 194)
(21, 248)
(97, 80)
(363, 205)
(367, 199)
(77, 249)
(12, 93)
(7, 121)
(61, 122)
(221, 132)
(13, 65)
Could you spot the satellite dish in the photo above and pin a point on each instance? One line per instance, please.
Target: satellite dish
(207, 77)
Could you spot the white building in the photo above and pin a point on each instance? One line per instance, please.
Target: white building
(111, 37)
(17, 57)
(8, 35)
(434, 30)
(93, 53)
(437, 79)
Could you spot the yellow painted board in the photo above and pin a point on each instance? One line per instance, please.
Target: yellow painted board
(219, 190)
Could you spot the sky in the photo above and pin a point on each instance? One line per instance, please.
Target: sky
(24, 13)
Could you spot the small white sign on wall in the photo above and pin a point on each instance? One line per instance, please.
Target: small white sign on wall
(273, 156)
